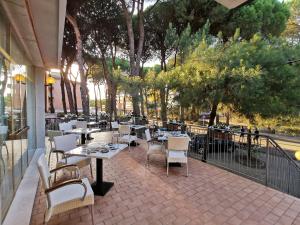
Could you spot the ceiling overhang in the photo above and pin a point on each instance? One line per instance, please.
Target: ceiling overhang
(230, 4)
(39, 26)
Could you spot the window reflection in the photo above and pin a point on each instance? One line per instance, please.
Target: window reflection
(13, 129)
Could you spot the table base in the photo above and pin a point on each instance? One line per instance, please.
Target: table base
(101, 188)
(174, 164)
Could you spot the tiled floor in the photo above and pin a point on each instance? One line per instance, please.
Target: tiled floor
(208, 196)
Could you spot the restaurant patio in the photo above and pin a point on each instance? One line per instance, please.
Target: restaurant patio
(145, 195)
(149, 112)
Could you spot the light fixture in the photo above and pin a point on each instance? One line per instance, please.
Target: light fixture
(50, 80)
(20, 78)
(297, 155)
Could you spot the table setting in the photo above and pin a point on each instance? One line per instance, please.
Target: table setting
(100, 151)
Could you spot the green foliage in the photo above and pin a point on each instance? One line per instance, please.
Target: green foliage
(267, 17)
(292, 31)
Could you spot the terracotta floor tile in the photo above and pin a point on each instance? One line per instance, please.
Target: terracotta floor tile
(146, 196)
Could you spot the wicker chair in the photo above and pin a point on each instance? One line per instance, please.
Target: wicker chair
(66, 143)
(177, 151)
(153, 149)
(70, 194)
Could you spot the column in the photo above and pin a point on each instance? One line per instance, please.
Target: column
(40, 106)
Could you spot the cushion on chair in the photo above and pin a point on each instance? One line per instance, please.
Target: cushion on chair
(77, 160)
(70, 197)
(177, 156)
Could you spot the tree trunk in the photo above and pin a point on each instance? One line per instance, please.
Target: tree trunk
(163, 92)
(163, 107)
(135, 54)
(155, 106)
(119, 110)
(79, 58)
(111, 92)
(106, 100)
(100, 98)
(194, 114)
(63, 94)
(182, 113)
(96, 102)
(124, 103)
(213, 113)
(113, 97)
(146, 102)
(142, 103)
(75, 97)
(69, 92)
(227, 115)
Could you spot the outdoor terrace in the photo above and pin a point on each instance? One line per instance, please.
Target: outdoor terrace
(144, 195)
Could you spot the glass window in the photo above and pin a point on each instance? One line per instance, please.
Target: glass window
(14, 82)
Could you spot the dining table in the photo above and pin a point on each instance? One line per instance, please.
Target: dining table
(84, 132)
(100, 151)
(163, 135)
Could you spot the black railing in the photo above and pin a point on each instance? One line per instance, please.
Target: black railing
(259, 158)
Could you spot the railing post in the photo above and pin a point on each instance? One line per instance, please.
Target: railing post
(267, 162)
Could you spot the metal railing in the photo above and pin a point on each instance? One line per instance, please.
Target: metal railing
(259, 158)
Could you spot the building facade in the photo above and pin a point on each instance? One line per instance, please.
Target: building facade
(31, 33)
(57, 95)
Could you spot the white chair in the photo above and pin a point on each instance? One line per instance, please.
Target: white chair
(66, 143)
(125, 136)
(73, 123)
(51, 134)
(177, 151)
(115, 132)
(81, 124)
(70, 194)
(153, 149)
(65, 127)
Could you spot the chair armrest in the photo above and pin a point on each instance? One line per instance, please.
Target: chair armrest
(58, 151)
(65, 183)
(66, 166)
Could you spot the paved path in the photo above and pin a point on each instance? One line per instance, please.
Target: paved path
(209, 196)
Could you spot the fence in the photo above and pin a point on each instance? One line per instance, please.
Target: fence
(259, 158)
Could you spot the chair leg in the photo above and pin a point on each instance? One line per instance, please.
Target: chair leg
(91, 169)
(167, 169)
(6, 150)
(147, 161)
(92, 213)
(187, 170)
(49, 158)
(54, 177)
(44, 218)
(2, 160)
